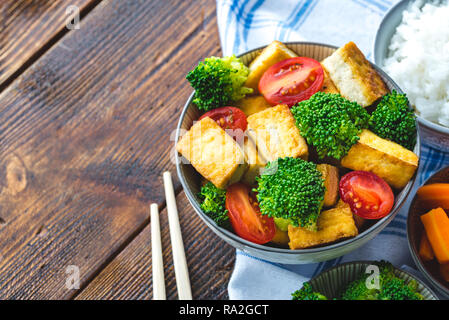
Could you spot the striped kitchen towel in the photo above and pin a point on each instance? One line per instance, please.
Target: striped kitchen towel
(244, 25)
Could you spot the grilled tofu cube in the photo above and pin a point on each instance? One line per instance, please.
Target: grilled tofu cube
(254, 160)
(359, 221)
(213, 153)
(333, 225)
(354, 76)
(273, 53)
(390, 161)
(328, 84)
(252, 104)
(276, 135)
(331, 181)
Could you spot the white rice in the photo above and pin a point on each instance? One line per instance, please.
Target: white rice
(418, 58)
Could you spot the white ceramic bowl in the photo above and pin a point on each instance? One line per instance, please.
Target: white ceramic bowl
(431, 133)
(190, 181)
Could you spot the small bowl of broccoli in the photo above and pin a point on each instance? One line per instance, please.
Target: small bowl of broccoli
(364, 280)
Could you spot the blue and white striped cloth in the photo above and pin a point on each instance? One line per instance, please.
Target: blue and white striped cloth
(244, 25)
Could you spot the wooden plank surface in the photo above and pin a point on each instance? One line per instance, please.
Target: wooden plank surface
(29, 26)
(210, 261)
(85, 135)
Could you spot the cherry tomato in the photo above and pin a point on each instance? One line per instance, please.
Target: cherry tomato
(245, 216)
(228, 118)
(291, 81)
(369, 196)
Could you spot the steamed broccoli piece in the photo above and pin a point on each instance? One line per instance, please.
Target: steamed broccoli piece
(307, 293)
(394, 120)
(213, 203)
(330, 123)
(357, 290)
(390, 287)
(218, 81)
(396, 289)
(291, 188)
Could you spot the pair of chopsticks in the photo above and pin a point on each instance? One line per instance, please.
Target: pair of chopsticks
(179, 257)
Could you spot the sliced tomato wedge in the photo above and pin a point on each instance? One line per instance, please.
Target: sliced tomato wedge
(245, 216)
(291, 81)
(368, 195)
(228, 118)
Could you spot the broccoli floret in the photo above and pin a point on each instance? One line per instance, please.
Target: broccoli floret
(307, 293)
(390, 287)
(397, 289)
(218, 81)
(330, 123)
(394, 120)
(213, 204)
(357, 290)
(291, 188)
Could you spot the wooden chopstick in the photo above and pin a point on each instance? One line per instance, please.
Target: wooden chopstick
(179, 257)
(156, 255)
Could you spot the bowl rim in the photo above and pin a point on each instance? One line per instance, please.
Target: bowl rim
(444, 290)
(388, 15)
(379, 225)
(368, 262)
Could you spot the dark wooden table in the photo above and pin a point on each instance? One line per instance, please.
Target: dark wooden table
(86, 123)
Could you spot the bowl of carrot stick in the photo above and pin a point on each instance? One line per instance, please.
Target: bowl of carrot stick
(428, 230)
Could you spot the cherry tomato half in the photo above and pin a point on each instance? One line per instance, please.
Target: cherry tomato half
(228, 118)
(245, 216)
(291, 81)
(368, 195)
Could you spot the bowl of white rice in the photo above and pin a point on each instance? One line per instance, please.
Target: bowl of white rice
(412, 47)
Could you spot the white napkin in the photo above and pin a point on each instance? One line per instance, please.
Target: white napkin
(244, 25)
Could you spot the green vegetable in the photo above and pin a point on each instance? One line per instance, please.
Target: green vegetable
(330, 123)
(394, 120)
(218, 81)
(291, 188)
(282, 223)
(213, 203)
(307, 293)
(390, 288)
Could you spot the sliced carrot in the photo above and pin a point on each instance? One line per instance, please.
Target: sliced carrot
(436, 224)
(425, 249)
(430, 190)
(444, 271)
(435, 195)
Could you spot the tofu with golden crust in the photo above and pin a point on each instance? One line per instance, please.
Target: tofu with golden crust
(276, 135)
(331, 181)
(252, 104)
(333, 224)
(254, 160)
(273, 53)
(359, 221)
(328, 84)
(354, 76)
(389, 160)
(213, 153)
